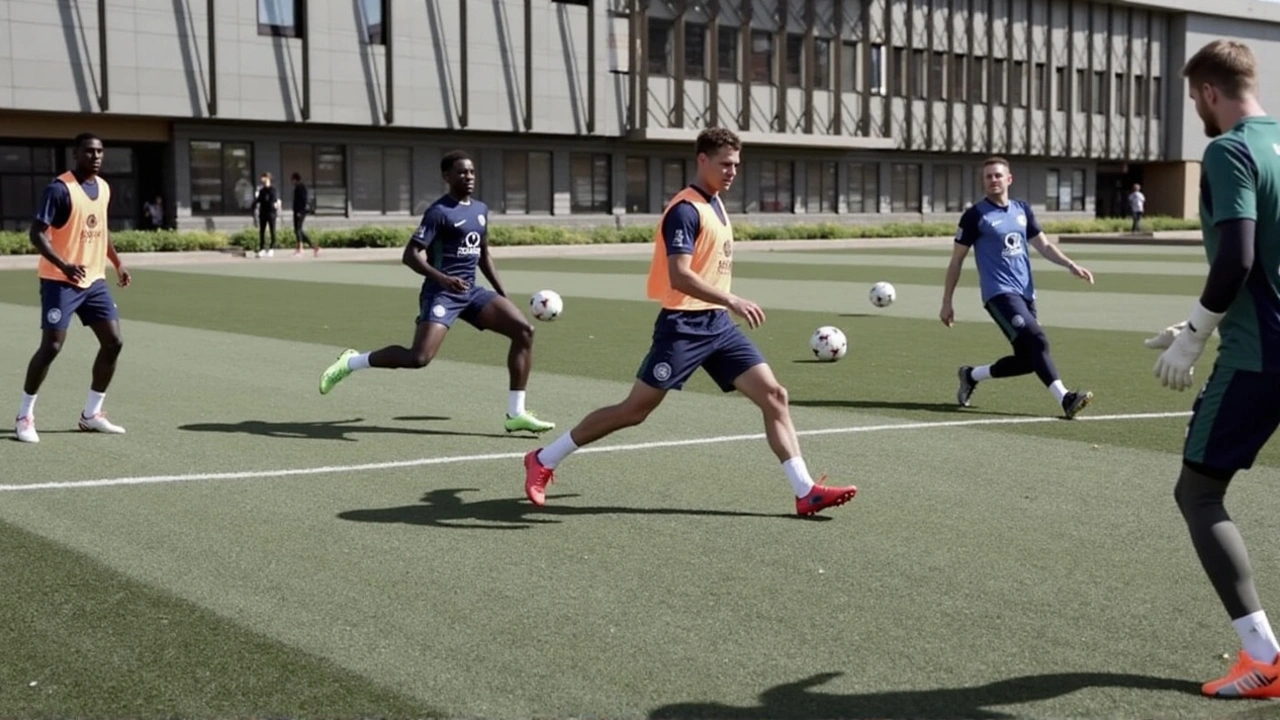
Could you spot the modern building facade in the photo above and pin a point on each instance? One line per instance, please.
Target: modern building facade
(584, 111)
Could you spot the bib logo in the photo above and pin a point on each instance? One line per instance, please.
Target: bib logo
(1012, 245)
(91, 222)
(725, 266)
(470, 245)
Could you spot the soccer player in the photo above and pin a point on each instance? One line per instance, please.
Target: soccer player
(690, 277)
(999, 230)
(70, 231)
(446, 249)
(1238, 409)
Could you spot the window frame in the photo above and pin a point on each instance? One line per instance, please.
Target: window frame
(294, 30)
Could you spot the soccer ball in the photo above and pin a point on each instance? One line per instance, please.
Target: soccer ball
(828, 343)
(546, 305)
(882, 294)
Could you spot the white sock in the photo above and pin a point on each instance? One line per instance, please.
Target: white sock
(980, 373)
(555, 453)
(93, 405)
(358, 362)
(515, 403)
(28, 405)
(1059, 390)
(1255, 633)
(798, 474)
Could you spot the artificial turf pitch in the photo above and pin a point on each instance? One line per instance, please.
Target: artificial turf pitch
(251, 548)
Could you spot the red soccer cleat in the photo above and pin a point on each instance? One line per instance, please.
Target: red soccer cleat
(822, 497)
(536, 477)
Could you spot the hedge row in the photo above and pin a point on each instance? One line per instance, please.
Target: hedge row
(15, 243)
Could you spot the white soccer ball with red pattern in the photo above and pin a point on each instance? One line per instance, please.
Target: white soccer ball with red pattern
(546, 305)
(828, 343)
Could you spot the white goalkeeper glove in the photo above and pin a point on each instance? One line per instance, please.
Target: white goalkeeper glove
(1175, 365)
(1166, 336)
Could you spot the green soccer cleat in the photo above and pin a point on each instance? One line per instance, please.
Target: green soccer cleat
(528, 422)
(336, 372)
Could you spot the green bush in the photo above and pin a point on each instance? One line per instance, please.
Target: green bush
(375, 236)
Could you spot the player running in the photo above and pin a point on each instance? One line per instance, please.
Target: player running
(690, 277)
(1238, 409)
(446, 249)
(70, 231)
(999, 229)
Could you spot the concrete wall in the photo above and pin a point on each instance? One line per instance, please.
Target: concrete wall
(157, 63)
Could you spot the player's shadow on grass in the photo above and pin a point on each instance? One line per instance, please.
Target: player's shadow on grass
(327, 429)
(797, 700)
(445, 508)
(938, 407)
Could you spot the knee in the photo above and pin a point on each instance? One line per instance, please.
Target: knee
(776, 399)
(51, 348)
(523, 335)
(113, 346)
(1032, 343)
(419, 359)
(631, 414)
(1199, 486)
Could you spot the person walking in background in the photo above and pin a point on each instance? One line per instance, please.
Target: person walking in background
(1137, 204)
(267, 204)
(301, 205)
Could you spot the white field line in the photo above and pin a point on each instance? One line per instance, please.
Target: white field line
(453, 459)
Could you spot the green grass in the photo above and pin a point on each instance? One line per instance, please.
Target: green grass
(1028, 569)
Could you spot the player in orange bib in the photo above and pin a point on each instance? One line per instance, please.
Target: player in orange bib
(690, 277)
(70, 231)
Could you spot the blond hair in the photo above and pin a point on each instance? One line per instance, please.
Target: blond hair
(1228, 65)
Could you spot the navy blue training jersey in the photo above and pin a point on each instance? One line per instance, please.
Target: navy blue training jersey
(999, 237)
(453, 233)
(55, 206)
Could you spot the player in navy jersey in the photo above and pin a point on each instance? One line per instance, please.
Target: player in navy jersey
(999, 229)
(448, 246)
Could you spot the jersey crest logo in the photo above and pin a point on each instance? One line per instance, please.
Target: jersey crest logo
(54, 316)
(1022, 220)
(661, 372)
(470, 244)
(482, 221)
(1012, 245)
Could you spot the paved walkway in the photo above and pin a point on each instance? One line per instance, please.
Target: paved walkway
(10, 262)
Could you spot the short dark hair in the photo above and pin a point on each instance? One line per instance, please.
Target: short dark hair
(446, 162)
(1228, 65)
(84, 137)
(714, 139)
(995, 160)
(296, 176)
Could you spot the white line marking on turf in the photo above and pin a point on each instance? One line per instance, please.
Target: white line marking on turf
(451, 459)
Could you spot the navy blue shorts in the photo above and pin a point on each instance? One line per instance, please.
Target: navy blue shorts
(1014, 314)
(1234, 416)
(684, 341)
(60, 300)
(443, 307)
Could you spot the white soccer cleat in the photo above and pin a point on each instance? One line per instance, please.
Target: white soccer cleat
(25, 430)
(100, 423)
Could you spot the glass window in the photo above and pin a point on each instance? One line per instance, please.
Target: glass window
(905, 195)
(672, 178)
(735, 198)
(820, 188)
(795, 60)
(1017, 84)
(373, 12)
(280, 18)
(776, 187)
(222, 178)
(526, 182)
(938, 76)
(397, 182)
(589, 182)
(366, 179)
(324, 169)
(822, 63)
(15, 159)
(864, 188)
(695, 51)
(998, 95)
(1052, 182)
(637, 185)
(876, 70)
(661, 32)
(1077, 189)
(761, 57)
(948, 193)
(848, 66)
(1041, 86)
(727, 53)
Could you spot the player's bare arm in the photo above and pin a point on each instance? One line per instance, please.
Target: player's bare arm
(958, 253)
(40, 238)
(1051, 252)
(684, 279)
(490, 271)
(415, 258)
(125, 278)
